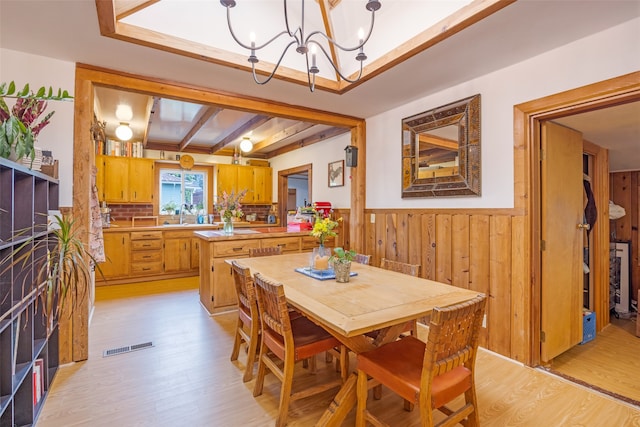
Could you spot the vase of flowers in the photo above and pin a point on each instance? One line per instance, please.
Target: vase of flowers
(230, 208)
(323, 228)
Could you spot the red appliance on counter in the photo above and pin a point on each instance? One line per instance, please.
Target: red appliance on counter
(323, 208)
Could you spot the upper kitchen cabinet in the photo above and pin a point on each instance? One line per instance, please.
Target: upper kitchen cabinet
(125, 179)
(257, 180)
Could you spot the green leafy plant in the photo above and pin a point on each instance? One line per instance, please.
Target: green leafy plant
(170, 207)
(20, 125)
(342, 256)
(62, 268)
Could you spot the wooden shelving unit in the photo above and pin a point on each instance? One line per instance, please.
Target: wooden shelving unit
(27, 345)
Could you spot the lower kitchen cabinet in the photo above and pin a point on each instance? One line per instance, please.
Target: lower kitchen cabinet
(177, 251)
(117, 248)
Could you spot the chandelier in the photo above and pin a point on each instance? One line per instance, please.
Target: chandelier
(305, 44)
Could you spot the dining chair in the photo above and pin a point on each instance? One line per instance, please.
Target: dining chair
(400, 267)
(431, 374)
(290, 340)
(362, 259)
(248, 324)
(268, 251)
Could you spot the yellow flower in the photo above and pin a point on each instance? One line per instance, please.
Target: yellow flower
(324, 228)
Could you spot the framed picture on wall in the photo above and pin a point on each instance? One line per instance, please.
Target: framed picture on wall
(336, 173)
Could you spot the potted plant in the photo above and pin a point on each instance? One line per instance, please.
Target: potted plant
(64, 268)
(170, 207)
(19, 125)
(341, 260)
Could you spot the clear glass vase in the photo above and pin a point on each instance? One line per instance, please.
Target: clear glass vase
(320, 258)
(227, 227)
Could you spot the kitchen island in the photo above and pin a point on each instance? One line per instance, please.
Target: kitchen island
(217, 290)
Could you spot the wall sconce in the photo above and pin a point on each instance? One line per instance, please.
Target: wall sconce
(246, 145)
(124, 132)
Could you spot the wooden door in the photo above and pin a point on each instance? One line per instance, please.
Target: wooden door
(561, 257)
(116, 179)
(117, 248)
(141, 180)
(292, 199)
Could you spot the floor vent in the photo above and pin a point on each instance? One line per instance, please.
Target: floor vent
(127, 349)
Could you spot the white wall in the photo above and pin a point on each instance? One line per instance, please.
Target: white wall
(319, 155)
(601, 56)
(57, 136)
(302, 190)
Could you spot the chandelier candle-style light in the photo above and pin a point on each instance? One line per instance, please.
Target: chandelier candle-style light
(305, 44)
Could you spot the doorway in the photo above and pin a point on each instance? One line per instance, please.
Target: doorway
(298, 178)
(528, 119)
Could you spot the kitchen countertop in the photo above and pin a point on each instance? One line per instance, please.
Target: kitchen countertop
(248, 233)
(172, 227)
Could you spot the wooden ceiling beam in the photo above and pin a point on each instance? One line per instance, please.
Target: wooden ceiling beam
(124, 8)
(148, 112)
(171, 146)
(285, 133)
(328, 28)
(438, 141)
(206, 114)
(312, 139)
(249, 125)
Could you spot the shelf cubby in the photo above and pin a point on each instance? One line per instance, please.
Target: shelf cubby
(26, 197)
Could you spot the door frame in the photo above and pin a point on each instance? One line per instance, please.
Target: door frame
(527, 119)
(283, 186)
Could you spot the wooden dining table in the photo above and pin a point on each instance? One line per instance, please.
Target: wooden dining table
(373, 299)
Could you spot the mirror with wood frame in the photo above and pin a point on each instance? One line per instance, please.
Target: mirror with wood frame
(441, 151)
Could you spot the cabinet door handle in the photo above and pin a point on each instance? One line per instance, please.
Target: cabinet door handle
(146, 269)
(147, 256)
(237, 249)
(146, 245)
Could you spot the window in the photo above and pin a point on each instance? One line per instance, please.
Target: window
(181, 189)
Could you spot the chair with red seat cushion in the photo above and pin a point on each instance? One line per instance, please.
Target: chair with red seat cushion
(290, 340)
(248, 325)
(433, 373)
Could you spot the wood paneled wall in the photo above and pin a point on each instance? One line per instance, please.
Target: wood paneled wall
(624, 188)
(479, 249)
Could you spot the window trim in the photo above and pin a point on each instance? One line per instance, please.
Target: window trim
(197, 168)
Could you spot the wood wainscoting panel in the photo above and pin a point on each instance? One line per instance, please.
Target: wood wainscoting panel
(480, 250)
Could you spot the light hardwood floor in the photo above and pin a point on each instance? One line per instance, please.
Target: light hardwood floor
(609, 362)
(186, 379)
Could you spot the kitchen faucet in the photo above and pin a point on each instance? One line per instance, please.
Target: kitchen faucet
(182, 209)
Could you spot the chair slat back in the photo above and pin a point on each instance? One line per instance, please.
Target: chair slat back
(268, 251)
(272, 305)
(400, 267)
(244, 287)
(453, 337)
(362, 259)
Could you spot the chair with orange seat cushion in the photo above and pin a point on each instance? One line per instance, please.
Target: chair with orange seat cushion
(248, 325)
(290, 340)
(431, 374)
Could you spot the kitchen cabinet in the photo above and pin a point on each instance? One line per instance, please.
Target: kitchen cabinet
(141, 180)
(262, 185)
(146, 252)
(217, 289)
(177, 251)
(195, 253)
(256, 179)
(117, 248)
(125, 179)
